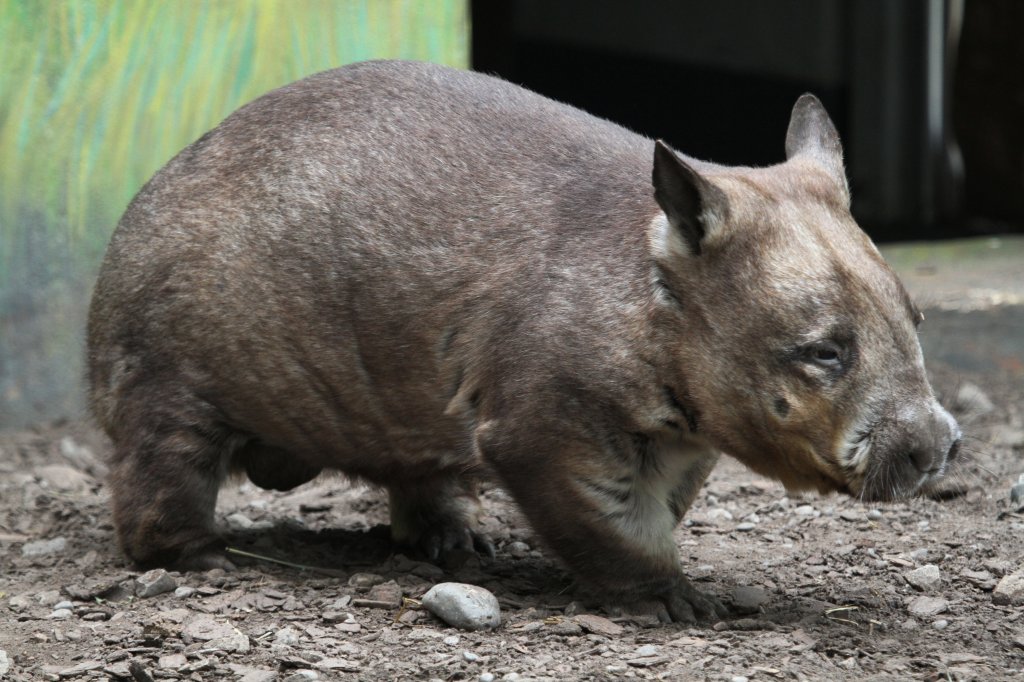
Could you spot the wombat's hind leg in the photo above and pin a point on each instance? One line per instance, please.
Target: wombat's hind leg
(437, 517)
(164, 484)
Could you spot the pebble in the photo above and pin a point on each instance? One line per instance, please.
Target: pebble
(518, 549)
(172, 661)
(806, 510)
(647, 650)
(940, 624)
(739, 678)
(184, 592)
(745, 527)
(971, 400)
(469, 656)
(486, 677)
(44, 547)
(1010, 590)
(598, 625)
(851, 515)
(925, 607)
(63, 478)
(468, 607)
(926, 578)
(64, 605)
(451, 640)
(302, 676)
(239, 521)
(5, 662)
(365, 580)
(874, 514)
(1017, 492)
(749, 599)
(719, 514)
(152, 583)
(286, 637)
(60, 614)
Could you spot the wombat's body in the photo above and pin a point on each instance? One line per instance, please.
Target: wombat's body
(419, 276)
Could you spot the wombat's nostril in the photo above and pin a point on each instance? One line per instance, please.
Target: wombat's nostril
(921, 459)
(954, 451)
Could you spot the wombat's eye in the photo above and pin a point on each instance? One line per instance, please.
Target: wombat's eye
(826, 354)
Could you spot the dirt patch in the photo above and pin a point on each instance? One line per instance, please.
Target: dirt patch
(821, 587)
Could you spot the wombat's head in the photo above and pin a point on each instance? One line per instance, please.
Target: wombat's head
(798, 344)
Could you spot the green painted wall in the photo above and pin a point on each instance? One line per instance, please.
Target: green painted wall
(96, 95)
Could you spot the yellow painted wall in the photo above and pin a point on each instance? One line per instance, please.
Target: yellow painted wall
(96, 95)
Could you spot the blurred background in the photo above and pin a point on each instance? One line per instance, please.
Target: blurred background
(96, 95)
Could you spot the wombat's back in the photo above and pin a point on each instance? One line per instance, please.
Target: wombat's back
(315, 250)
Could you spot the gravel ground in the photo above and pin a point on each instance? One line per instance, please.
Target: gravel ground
(820, 587)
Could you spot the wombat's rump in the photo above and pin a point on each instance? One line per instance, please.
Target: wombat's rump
(421, 276)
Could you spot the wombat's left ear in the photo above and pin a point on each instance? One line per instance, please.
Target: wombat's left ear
(811, 133)
(693, 205)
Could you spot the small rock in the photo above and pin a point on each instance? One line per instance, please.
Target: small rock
(739, 678)
(970, 400)
(388, 592)
(806, 510)
(719, 514)
(81, 668)
(64, 605)
(339, 664)
(365, 580)
(940, 624)
(239, 521)
(647, 650)
(598, 625)
(152, 583)
(1017, 492)
(63, 478)
(485, 677)
(925, 607)
(874, 514)
(518, 549)
(256, 675)
(60, 614)
(302, 675)
(184, 592)
(237, 641)
(5, 662)
(469, 656)
(451, 640)
(172, 661)
(286, 637)
(464, 606)
(749, 599)
(926, 578)
(745, 527)
(44, 547)
(851, 515)
(18, 602)
(1010, 590)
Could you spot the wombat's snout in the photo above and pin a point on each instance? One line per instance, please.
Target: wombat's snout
(922, 444)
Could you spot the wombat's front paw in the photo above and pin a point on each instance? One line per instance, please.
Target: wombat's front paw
(445, 539)
(685, 603)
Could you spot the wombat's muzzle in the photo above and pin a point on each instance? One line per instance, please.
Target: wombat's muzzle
(913, 449)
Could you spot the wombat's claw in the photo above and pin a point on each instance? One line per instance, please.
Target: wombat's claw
(204, 561)
(687, 604)
(439, 542)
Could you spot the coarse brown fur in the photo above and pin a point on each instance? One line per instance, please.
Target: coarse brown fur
(421, 276)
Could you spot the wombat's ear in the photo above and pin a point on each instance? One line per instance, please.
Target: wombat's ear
(812, 133)
(692, 204)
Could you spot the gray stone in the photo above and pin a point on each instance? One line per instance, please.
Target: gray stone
(286, 637)
(468, 607)
(647, 650)
(61, 614)
(236, 641)
(172, 661)
(302, 676)
(1017, 492)
(469, 656)
(748, 599)
(152, 583)
(485, 677)
(44, 547)
(5, 662)
(970, 400)
(598, 625)
(452, 640)
(926, 607)
(365, 580)
(745, 527)
(63, 478)
(940, 624)
(926, 578)
(184, 592)
(1010, 590)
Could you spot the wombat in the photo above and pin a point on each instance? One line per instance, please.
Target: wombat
(421, 277)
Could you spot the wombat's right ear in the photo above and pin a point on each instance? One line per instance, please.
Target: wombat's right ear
(692, 204)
